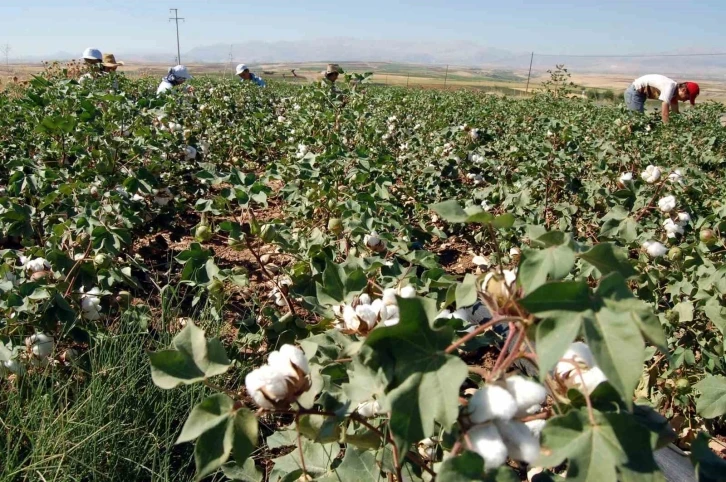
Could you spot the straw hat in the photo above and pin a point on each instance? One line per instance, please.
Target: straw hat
(110, 61)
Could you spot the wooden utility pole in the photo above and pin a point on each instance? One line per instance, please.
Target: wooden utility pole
(176, 19)
(526, 90)
(446, 76)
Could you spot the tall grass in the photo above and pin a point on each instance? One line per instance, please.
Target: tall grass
(103, 421)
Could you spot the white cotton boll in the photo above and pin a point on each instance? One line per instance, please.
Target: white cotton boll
(578, 352)
(626, 177)
(683, 219)
(408, 291)
(525, 392)
(350, 318)
(296, 107)
(655, 249)
(491, 402)
(391, 321)
(364, 299)
(590, 379)
(667, 204)
(488, 443)
(672, 229)
(389, 297)
(37, 264)
(190, 153)
(536, 427)
(392, 313)
(676, 176)
(374, 242)
(485, 205)
(651, 175)
(521, 444)
(137, 198)
(41, 345)
(367, 315)
(281, 119)
(287, 359)
(266, 385)
(369, 409)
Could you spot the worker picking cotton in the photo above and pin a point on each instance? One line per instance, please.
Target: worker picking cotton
(662, 88)
(243, 72)
(175, 77)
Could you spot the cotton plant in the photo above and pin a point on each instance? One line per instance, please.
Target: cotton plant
(281, 381)
(654, 249)
(652, 174)
(625, 179)
(162, 197)
(374, 242)
(364, 314)
(40, 345)
(667, 204)
(91, 304)
(577, 369)
(495, 412)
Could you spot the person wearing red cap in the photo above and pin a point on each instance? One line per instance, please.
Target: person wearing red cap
(660, 87)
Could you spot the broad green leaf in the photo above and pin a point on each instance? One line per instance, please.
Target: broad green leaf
(466, 291)
(558, 296)
(450, 211)
(712, 402)
(213, 448)
(554, 336)
(414, 353)
(503, 221)
(357, 465)
(244, 441)
(318, 460)
(537, 266)
(245, 473)
(604, 258)
(685, 311)
(206, 415)
(467, 467)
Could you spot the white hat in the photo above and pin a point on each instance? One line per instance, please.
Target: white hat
(181, 72)
(241, 68)
(92, 54)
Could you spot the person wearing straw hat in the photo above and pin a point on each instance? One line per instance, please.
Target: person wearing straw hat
(660, 87)
(244, 74)
(176, 76)
(109, 63)
(331, 73)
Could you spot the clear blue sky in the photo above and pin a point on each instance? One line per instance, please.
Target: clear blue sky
(43, 27)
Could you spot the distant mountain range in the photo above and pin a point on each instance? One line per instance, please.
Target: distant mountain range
(459, 53)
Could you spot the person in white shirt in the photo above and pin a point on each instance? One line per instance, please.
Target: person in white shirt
(660, 87)
(92, 59)
(176, 76)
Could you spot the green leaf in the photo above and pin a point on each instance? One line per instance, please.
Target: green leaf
(467, 467)
(685, 311)
(357, 465)
(245, 431)
(504, 221)
(554, 336)
(712, 402)
(213, 448)
(604, 258)
(556, 297)
(414, 353)
(537, 266)
(318, 459)
(450, 211)
(192, 359)
(466, 291)
(206, 415)
(245, 473)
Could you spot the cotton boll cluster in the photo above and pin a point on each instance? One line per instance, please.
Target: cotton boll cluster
(652, 174)
(672, 228)
(302, 151)
(654, 249)
(579, 356)
(374, 242)
(476, 158)
(494, 411)
(40, 345)
(174, 127)
(446, 150)
(281, 381)
(667, 204)
(190, 153)
(91, 304)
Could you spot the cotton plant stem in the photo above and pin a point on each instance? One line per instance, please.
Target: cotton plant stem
(479, 330)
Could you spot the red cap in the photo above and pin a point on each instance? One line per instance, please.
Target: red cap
(693, 91)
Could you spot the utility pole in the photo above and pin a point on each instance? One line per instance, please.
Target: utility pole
(408, 78)
(446, 77)
(230, 60)
(6, 51)
(176, 19)
(526, 90)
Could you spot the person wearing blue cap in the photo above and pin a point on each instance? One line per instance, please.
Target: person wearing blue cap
(176, 76)
(244, 74)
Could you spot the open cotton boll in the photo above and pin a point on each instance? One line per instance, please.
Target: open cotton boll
(521, 444)
(369, 409)
(655, 249)
(525, 392)
(350, 318)
(407, 291)
(589, 380)
(536, 427)
(41, 345)
(667, 204)
(289, 360)
(578, 352)
(676, 176)
(651, 175)
(626, 177)
(389, 297)
(683, 219)
(367, 314)
(491, 402)
(488, 443)
(672, 229)
(37, 264)
(267, 386)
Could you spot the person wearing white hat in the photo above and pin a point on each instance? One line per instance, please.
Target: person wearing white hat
(176, 76)
(92, 56)
(244, 74)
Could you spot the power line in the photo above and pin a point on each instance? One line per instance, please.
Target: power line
(176, 18)
(716, 54)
